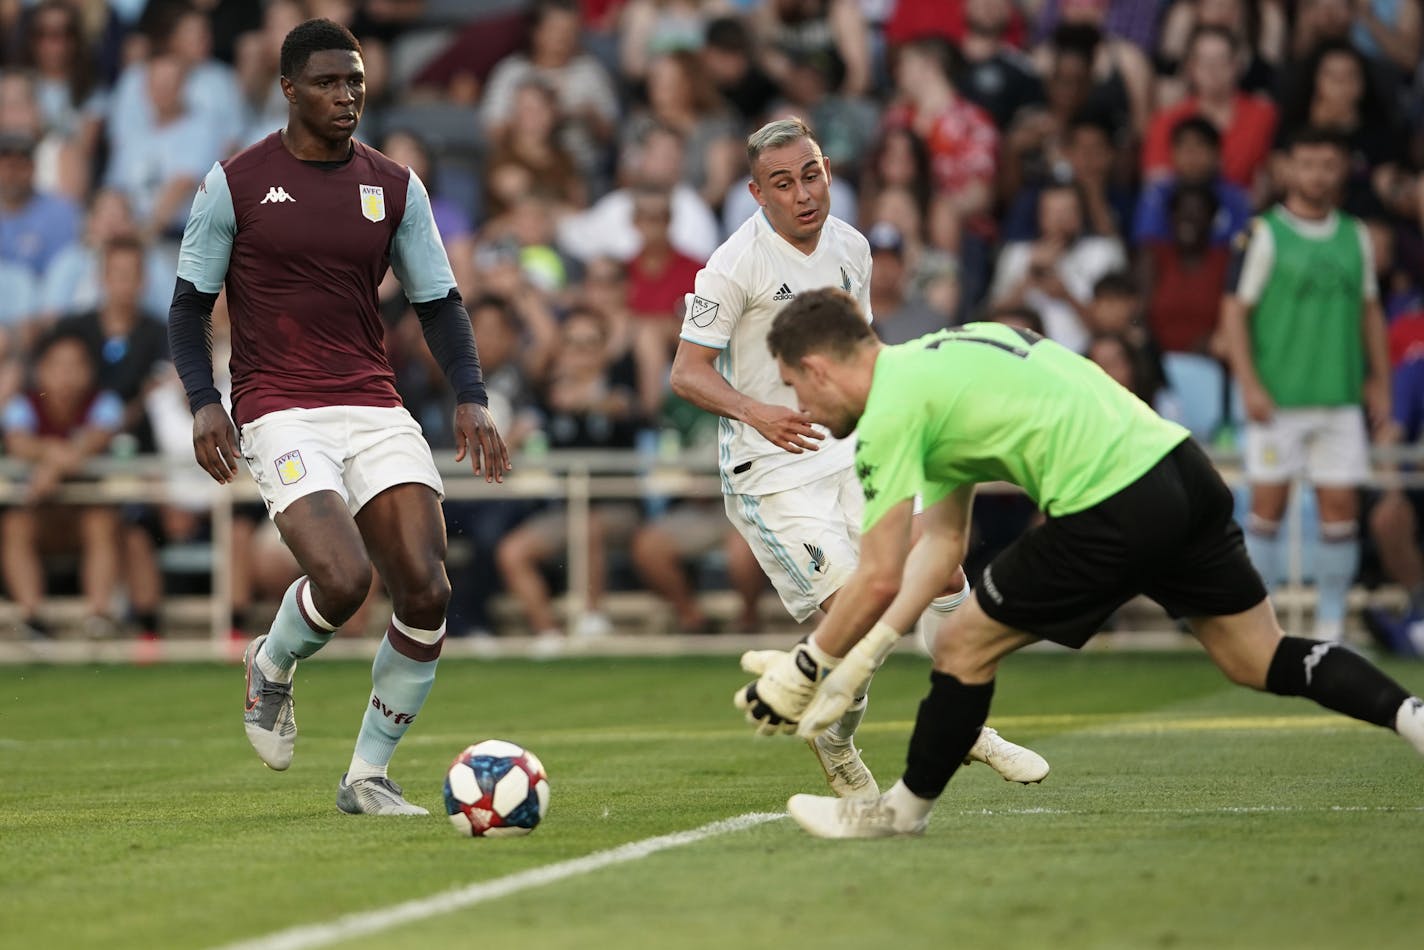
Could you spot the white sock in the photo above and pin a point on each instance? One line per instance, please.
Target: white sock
(928, 624)
(272, 671)
(360, 768)
(946, 603)
(910, 809)
(1409, 722)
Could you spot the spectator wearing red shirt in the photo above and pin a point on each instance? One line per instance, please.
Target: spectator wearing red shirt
(1186, 274)
(912, 19)
(1247, 122)
(961, 137)
(658, 278)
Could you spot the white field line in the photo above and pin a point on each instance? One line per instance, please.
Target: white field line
(353, 926)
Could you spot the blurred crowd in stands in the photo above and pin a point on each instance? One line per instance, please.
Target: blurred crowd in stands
(1078, 166)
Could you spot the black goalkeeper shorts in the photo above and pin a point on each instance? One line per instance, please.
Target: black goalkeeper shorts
(1169, 535)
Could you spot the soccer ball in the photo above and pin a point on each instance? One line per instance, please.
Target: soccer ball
(496, 789)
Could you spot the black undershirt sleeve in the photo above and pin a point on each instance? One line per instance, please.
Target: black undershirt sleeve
(190, 339)
(452, 342)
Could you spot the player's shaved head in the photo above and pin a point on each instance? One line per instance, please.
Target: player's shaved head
(827, 321)
(314, 36)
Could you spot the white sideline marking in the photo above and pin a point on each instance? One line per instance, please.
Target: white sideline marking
(359, 925)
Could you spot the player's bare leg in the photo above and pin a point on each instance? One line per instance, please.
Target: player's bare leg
(405, 533)
(1252, 650)
(949, 722)
(322, 536)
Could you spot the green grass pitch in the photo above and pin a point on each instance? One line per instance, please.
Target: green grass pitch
(1181, 812)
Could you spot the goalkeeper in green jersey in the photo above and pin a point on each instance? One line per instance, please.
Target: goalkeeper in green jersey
(1133, 507)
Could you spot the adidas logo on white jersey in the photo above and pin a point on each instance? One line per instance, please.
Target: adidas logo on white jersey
(277, 194)
(784, 293)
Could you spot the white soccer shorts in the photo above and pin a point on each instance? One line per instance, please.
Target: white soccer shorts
(1326, 446)
(807, 539)
(356, 451)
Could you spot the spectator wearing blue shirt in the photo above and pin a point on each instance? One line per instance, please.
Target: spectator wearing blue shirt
(73, 281)
(19, 298)
(1086, 162)
(159, 171)
(33, 225)
(1196, 160)
(18, 303)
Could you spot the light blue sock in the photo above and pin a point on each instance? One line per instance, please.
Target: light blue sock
(1335, 566)
(297, 632)
(1264, 545)
(401, 678)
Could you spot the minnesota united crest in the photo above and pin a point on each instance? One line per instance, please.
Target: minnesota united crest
(373, 202)
(818, 558)
(845, 280)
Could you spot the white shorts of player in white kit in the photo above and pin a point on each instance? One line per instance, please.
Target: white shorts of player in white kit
(356, 451)
(807, 539)
(1326, 446)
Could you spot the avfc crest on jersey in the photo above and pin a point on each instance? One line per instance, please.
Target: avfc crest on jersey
(373, 202)
(290, 468)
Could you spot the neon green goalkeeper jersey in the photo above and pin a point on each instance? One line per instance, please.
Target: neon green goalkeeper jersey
(988, 402)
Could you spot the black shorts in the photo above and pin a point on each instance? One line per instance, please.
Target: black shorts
(1169, 535)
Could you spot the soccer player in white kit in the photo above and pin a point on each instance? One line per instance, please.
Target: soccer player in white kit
(790, 488)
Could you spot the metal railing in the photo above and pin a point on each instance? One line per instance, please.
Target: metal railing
(577, 478)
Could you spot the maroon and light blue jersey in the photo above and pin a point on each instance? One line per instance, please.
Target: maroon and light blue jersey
(302, 247)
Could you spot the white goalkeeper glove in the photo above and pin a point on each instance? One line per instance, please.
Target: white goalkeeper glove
(850, 679)
(787, 681)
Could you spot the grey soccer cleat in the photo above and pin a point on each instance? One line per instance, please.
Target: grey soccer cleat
(1014, 762)
(269, 713)
(377, 795)
(845, 772)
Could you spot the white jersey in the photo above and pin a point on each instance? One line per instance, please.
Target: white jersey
(744, 285)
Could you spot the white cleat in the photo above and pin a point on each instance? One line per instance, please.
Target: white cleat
(845, 772)
(1409, 723)
(1014, 762)
(826, 817)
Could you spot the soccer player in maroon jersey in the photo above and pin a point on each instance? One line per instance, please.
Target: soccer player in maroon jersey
(300, 229)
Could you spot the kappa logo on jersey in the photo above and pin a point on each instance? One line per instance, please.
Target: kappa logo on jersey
(290, 468)
(785, 293)
(276, 195)
(373, 202)
(819, 563)
(703, 311)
